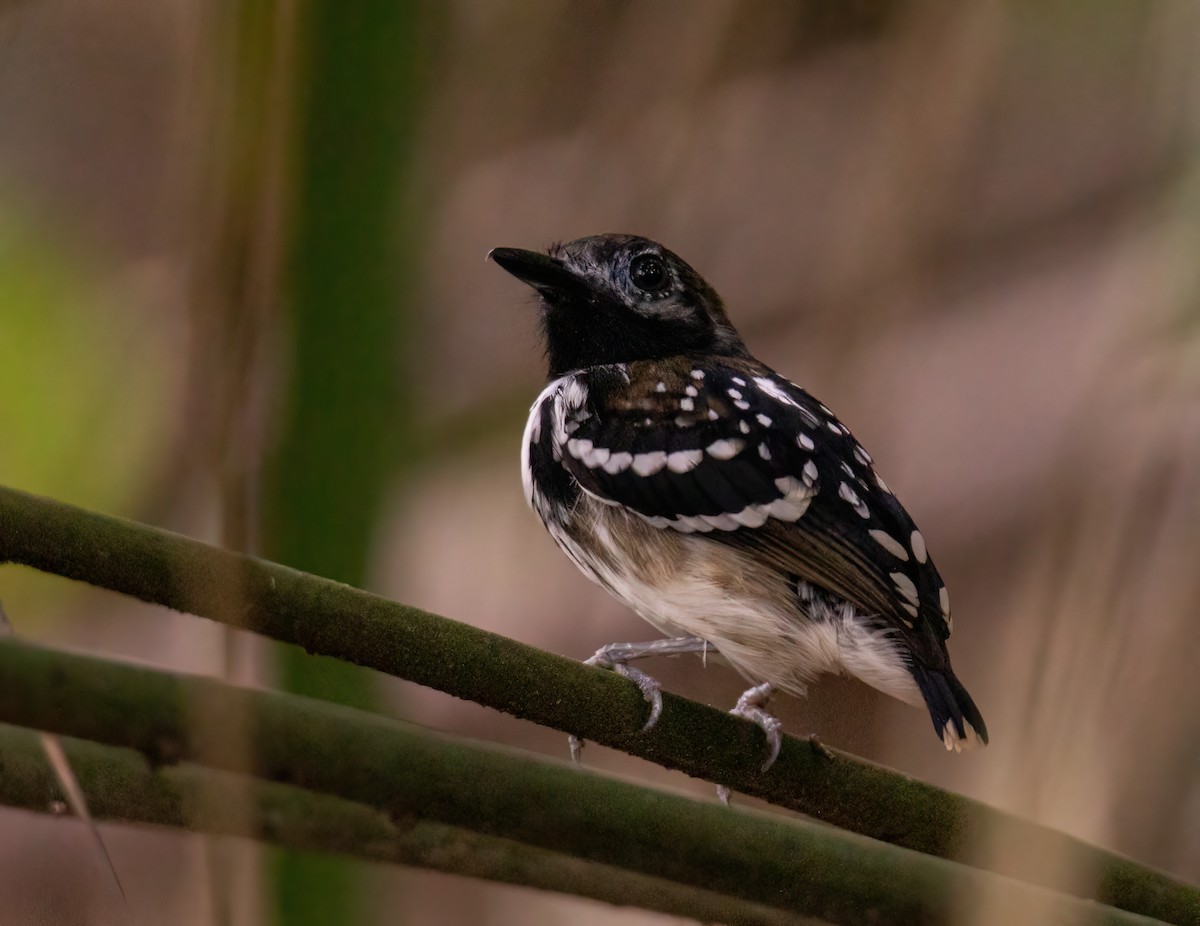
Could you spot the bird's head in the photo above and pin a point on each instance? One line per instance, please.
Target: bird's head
(620, 298)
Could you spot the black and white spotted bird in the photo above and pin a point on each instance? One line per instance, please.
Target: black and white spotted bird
(723, 503)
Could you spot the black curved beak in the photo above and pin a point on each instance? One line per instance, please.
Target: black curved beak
(545, 274)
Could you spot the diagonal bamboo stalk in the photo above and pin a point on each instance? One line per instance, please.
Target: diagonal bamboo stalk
(336, 620)
(123, 787)
(797, 866)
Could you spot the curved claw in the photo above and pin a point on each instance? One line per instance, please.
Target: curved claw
(750, 707)
(614, 656)
(650, 688)
(773, 728)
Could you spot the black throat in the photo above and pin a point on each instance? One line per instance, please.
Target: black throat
(577, 338)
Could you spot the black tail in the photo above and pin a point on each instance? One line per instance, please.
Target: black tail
(955, 716)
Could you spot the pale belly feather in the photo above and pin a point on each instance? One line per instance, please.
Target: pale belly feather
(687, 585)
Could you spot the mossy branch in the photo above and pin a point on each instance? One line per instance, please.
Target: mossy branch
(331, 619)
(797, 866)
(121, 786)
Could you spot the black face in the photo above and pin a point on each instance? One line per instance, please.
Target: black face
(620, 298)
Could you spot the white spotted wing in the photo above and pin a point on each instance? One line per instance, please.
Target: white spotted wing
(737, 453)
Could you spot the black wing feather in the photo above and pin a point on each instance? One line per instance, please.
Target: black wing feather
(782, 437)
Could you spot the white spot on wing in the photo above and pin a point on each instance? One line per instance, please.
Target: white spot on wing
(851, 498)
(682, 461)
(692, 391)
(647, 464)
(775, 391)
(722, 522)
(944, 601)
(904, 585)
(725, 449)
(618, 463)
(661, 387)
(795, 501)
(764, 420)
(805, 442)
(579, 447)
(789, 509)
(684, 525)
(890, 543)
(810, 472)
(918, 546)
(764, 451)
(744, 406)
(598, 457)
(751, 516)
(687, 404)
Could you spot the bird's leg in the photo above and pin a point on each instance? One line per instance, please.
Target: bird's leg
(750, 706)
(617, 656)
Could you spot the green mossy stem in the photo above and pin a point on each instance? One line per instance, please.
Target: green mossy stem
(332, 619)
(122, 787)
(797, 866)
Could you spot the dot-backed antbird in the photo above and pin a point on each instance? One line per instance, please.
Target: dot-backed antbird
(723, 503)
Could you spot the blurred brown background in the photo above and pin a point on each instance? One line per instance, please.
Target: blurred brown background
(973, 230)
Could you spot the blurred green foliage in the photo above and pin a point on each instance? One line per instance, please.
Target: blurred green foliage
(346, 422)
(82, 406)
(84, 403)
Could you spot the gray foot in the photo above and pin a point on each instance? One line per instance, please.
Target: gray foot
(616, 656)
(750, 707)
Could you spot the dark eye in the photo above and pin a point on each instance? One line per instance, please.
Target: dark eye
(648, 272)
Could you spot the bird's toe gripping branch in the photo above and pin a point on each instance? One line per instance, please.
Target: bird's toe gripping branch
(616, 656)
(750, 706)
